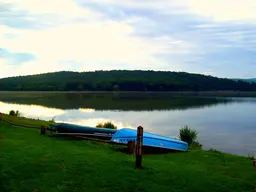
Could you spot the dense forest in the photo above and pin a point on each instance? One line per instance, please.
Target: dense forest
(122, 80)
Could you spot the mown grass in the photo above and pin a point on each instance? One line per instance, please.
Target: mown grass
(26, 122)
(33, 162)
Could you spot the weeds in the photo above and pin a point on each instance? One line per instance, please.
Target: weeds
(107, 124)
(14, 113)
(188, 135)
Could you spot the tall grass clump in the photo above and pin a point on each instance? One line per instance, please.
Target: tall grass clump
(14, 113)
(107, 124)
(52, 121)
(190, 136)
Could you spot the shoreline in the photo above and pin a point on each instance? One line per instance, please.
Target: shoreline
(179, 93)
(26, 122)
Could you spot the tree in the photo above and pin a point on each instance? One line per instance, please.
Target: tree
(123, 80)
(81, 87)
(116, 88)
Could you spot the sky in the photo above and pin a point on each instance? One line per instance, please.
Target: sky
(211, 37)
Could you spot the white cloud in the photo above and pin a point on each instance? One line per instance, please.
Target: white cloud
(90, 40)
(217, 10)
(57, 7)
(107, 41)
(167, 6)
(6, 69)
(97, 41)
(224, 10)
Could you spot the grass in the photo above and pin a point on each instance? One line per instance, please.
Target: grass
(26, 122)
(33, 162)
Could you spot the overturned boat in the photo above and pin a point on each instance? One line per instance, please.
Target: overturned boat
(121, 136)
(124, 135)
(77, 130)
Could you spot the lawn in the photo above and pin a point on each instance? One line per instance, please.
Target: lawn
(26, 122)
(33, 162)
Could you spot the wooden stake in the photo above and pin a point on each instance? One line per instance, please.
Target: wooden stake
(43, 130)
(131, 147)
(1, 114)
(139, 147)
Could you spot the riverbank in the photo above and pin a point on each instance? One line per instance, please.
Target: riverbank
(32, 162)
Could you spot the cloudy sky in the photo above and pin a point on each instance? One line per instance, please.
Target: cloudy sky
(213, 37)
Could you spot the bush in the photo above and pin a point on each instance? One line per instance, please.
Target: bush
(14, 113)
(251, 156)
(52, 121)
(188, 135)
(195, 145)
(107, 124)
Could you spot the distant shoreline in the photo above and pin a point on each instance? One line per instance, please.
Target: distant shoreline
(179, 93)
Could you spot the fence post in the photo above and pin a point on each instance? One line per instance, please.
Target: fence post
(139, 147)
(131, 147)
(43, 130)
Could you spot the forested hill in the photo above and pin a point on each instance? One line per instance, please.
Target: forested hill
(253, 80)
(122, 81)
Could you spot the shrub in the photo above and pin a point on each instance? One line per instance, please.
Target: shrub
(107, 124)
(188, 135)
(14, 113)
(17, 113)
(195, 145)
(251, 156)
(52, 121)
(100, 125)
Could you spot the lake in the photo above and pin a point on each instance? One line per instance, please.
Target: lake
(224, 123)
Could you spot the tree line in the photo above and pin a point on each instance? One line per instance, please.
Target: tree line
(123, 80)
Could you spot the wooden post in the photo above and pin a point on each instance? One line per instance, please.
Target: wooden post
(131, 147)
(43, 130)
(139, 147)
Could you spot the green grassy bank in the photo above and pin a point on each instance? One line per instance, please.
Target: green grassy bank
(36, 163)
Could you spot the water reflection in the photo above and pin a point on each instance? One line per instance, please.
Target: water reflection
(35, 111)
(94, 121)
(113, 101)
(226, 124)
(87, 110)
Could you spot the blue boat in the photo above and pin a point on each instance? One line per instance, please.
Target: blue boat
(124, 135)
(121, 136)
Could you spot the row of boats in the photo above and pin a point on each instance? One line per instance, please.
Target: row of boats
(120, 136)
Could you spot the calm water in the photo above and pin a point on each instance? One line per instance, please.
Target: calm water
(227, 124)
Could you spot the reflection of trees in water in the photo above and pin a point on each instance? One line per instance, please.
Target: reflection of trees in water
(114, 101)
